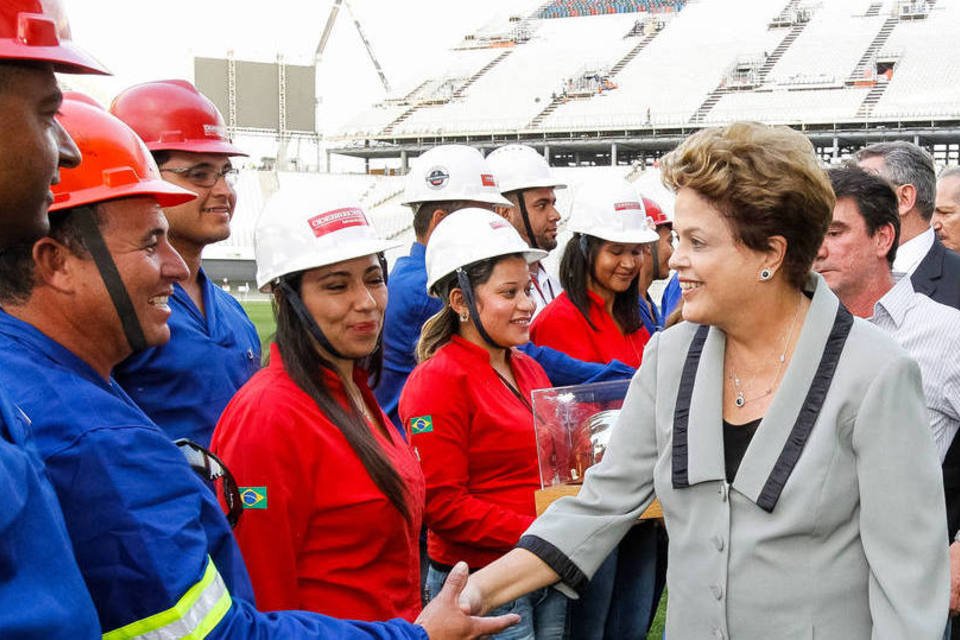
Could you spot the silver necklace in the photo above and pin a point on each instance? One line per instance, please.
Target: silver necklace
(740, 400)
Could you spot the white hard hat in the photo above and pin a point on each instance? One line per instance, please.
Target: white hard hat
(470, 235)
(452, 172)
(297, 232)
(611, 210)
(518, 166)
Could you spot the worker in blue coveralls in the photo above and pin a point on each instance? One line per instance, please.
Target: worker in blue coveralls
(42, 594)
(213, 350)
(443, 180)
(151, 541)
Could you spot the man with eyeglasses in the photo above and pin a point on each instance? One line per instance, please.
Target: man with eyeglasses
(214, 349)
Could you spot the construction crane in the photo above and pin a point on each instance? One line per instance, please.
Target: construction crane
(328, 28)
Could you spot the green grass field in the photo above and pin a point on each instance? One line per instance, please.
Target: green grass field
(656, 629)
(261, 314)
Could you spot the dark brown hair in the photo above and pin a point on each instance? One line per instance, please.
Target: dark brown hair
(304, 364)
(875, 199)
(576, 269)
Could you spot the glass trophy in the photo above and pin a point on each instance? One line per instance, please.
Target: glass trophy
(573, 427)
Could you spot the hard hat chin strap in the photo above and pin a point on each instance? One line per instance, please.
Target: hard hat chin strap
(531, 239)
(95, 244)
(464, 283)
(307, 319)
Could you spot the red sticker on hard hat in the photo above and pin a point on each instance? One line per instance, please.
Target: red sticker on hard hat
(627, 206)
(488, 180)
(337, 219)
(498, 224)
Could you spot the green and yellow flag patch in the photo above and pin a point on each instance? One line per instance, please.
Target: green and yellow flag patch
(421, 424)
(253, 497)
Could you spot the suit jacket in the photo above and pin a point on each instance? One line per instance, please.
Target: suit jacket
(938, 275)
(848, 545)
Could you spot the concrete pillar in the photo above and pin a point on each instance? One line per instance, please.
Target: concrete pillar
(404, 163)
(613, 154)
(546, 153)
(328, 159)
(366, 165)
(916, 140)
(836, 149)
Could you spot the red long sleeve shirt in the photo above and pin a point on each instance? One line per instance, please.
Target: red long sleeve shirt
(477, 448)
(328, 539)
(561, 326)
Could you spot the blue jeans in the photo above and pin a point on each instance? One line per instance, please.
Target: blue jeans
(623, 594)
(543, 613)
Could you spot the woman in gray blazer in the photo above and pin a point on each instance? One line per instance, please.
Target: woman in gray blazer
(786, 440)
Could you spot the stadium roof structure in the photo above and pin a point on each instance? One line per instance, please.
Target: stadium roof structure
(621, 81)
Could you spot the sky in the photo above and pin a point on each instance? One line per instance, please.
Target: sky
(141, 41)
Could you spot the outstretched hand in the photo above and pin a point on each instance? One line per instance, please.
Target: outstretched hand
(444, 617)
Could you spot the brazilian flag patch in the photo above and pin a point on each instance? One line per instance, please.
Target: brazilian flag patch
(421, 424)
(253, 497)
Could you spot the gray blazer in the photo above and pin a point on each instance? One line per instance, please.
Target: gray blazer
(833, 533)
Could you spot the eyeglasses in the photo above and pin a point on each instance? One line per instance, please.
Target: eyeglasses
(209, 467)
(203, 175)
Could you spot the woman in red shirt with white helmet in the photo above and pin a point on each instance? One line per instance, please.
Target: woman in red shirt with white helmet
(333, 493)
(469, 408)
(597, 317)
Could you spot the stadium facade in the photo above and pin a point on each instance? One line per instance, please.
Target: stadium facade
(615, 83)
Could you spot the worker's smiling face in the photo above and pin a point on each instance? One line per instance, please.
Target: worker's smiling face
(135, 233)
(347, 301)
(503, 303)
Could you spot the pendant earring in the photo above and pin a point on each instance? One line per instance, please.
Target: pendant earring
(464, 317)
(765, 274)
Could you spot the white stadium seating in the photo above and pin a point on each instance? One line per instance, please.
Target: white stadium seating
(829, 70)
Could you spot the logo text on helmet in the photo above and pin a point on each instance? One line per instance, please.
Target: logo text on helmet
(498, 224)
(336, 220)
(488, 180)
(627, 206)
(437, 178)
(215, 131)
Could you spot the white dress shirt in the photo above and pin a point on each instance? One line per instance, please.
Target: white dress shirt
(545, 288)
(928, 331)
(911, 252)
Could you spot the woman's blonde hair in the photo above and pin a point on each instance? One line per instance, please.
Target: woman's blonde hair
(765, 180)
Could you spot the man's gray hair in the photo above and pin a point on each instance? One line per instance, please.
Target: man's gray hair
(906, 163)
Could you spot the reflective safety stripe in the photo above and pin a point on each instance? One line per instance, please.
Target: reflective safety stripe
(196, 614)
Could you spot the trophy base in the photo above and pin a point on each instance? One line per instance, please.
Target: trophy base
(545, 497)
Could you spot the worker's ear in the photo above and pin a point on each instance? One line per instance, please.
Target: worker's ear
(54, 265)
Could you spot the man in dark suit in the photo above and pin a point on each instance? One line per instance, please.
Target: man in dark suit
(934, 270)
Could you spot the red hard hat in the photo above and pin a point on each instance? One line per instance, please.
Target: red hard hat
(115, 163)
(655, 213)
(171, 115)
(38, 31)
(82, 97)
